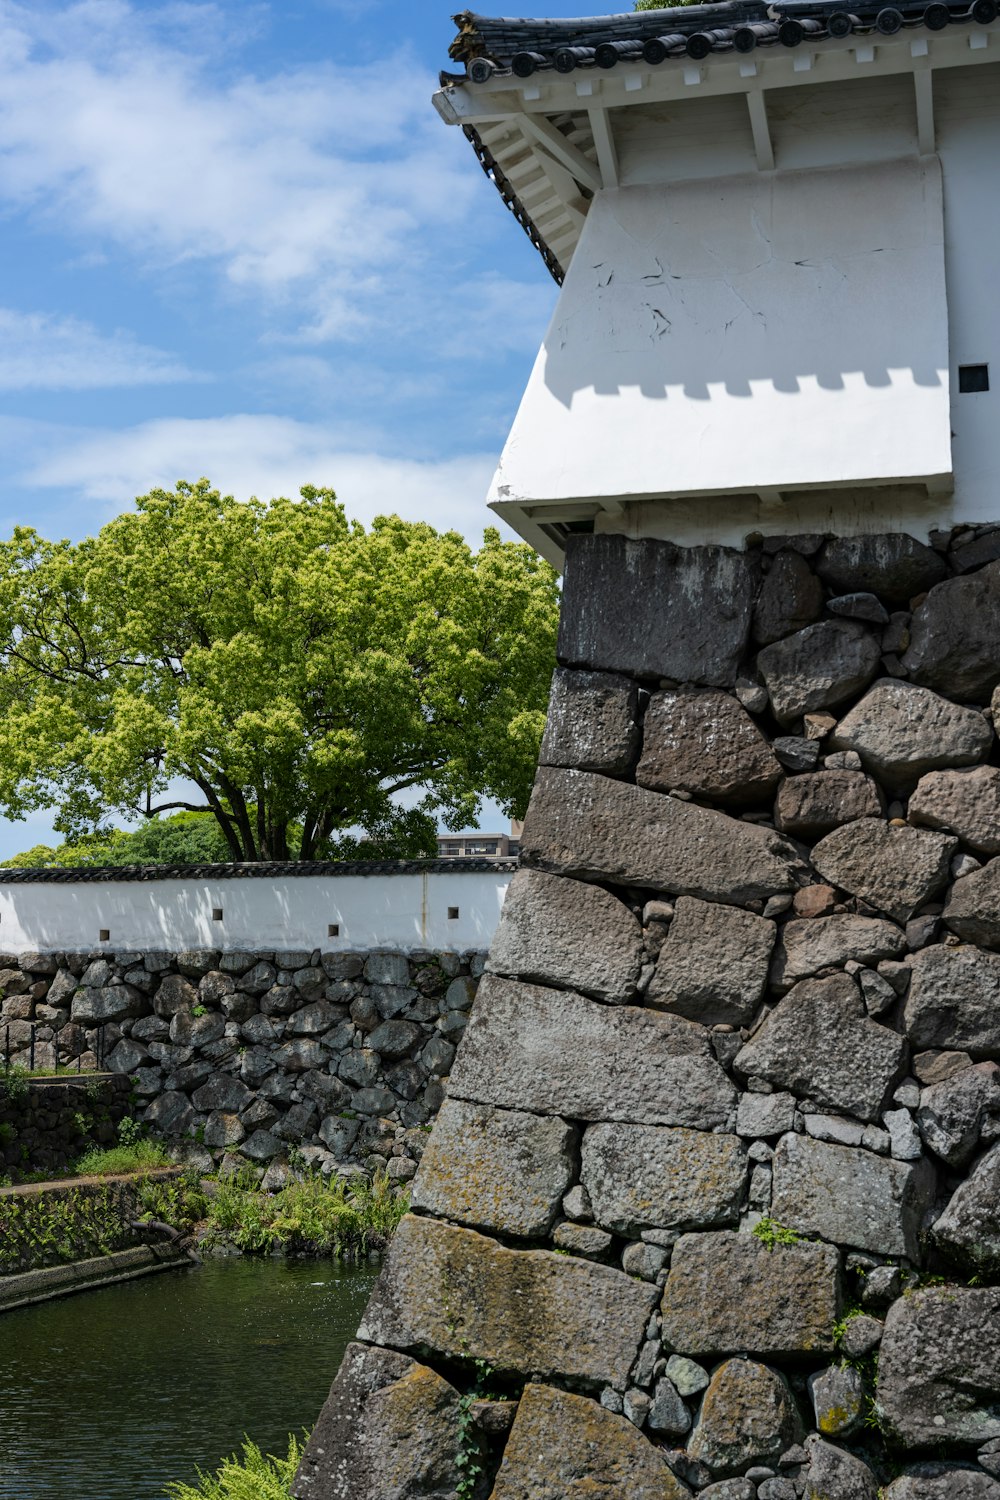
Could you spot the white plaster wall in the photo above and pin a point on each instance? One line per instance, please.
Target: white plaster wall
(384, 911)
(757, 332)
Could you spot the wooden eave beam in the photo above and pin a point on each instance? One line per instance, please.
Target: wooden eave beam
(542, 132)
(604, 141)
(762, 144)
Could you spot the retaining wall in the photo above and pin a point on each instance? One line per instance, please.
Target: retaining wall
(714, 1191)
(45, 1124)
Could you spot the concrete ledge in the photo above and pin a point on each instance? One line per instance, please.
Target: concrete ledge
(30, 1287)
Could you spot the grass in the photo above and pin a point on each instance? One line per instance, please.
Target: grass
(114, 1161)
(249, 1475)
(313, 1216)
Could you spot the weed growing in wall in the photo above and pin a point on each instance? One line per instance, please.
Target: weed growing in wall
(313, 1216)
(249, 1475)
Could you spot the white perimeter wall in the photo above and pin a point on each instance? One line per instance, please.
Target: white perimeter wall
(383, 911)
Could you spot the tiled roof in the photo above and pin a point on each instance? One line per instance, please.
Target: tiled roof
(522, 47)
(262, 870)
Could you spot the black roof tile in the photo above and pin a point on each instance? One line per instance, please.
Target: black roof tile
(261, 870)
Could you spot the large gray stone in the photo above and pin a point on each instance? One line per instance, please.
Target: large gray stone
(966, 803)
(174, 994)
(790, 598)
(939, 1367)
(708, 745)
(389, 1431)
(655, 610)
(954, 1000)
(819, 667)
(834, 1474)
(590, 826)
(973, 906)
(818, 943)
(820, 1044)
(92, 1007)
(810, 805)
(713, 965)
(955, 1114)
(221, 1092)
(850, 1196)
(650, 1177)
(729, 1294)
(968, 1231)
(568, 934)
(554, 1052)
(892, 565)
(592, 723)
(748, 1417)
(955, 636)
(170, 1113)
(893, 869)
(939, 1481)
(524, 1311)
(902, 731)
(567, 1447)
(838, 1398)
(496, 1169)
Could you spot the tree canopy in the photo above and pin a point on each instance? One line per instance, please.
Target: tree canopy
(297, 671)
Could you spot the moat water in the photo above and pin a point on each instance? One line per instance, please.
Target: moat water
(111, 1394)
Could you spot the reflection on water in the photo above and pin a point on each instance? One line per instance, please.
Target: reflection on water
(108, 1395)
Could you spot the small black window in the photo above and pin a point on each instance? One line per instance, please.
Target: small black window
(105, 936)
(333, 930)
(453, 914)
(216, 913)
(973, 378)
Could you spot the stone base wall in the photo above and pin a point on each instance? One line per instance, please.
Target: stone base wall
(713, 1198)
(339, 1056)
(45, 1124)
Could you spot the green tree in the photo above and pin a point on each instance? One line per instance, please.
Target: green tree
(298, 670)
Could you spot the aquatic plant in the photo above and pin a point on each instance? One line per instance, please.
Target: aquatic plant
(249, 1475)
(313, 1215)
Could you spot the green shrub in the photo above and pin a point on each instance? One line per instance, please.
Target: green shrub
(112, 1161)
(251, 1475)
(57, 1228)
(314, 1216)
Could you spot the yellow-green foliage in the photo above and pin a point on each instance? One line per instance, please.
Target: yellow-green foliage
(314, 1215)
(45, 1229)
(114, 1161)
(250, 1475)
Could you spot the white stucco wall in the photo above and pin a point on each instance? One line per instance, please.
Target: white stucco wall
(754, 332)
(373, 911)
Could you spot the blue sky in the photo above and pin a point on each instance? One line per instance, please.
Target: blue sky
(237, 240)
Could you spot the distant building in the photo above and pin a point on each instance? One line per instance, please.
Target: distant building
(480, 845)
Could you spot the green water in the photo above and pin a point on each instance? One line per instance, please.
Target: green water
(110, 1394)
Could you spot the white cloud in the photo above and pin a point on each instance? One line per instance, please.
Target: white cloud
(312, 185)
(258, 455)
(39, 351)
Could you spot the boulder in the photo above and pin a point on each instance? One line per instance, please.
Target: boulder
(175, 993)
(590, 826)
(955, 637)
(894, 869)
(939, 1367)
(811, 944)
(651, 1177)
(127, 1057)
(189, 1030)
(221, 1092)
(892, 565)
(708, 745)
(790, 598)
(838, 1398)
(973, 907)
(568, 934)
(901, 731)
(170, 1113)
(314, 1019)
(968, 1232)
(713, 965)
(566, 1447)
(389, 1430)
(539, 1047)
(748, 1417)
(966, 803)
(819, 1044)
(835, 1475)
(454, 1291)
(851, 1196)
(939, 1481)
(652, 609)
(496, 1169)
(955, 1114)
(394, 1038)
(668, 1415)
(819, 667)
(592, 723)
(93, 1007)
(816, 802)
(953, 1000)
(728, 1293)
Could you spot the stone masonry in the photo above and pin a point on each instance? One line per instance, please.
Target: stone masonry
(711, 1205)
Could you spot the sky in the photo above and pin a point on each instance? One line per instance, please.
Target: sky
(236, 240)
